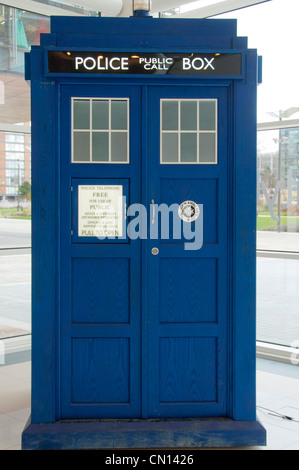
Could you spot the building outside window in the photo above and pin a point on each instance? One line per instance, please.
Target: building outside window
(19, 30)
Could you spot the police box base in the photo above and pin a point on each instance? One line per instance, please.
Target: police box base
(143, 434)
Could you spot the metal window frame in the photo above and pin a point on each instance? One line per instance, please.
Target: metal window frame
(15, 128)
(276, 125)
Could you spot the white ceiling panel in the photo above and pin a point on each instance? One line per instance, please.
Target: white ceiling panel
(198, 9)
(106, 7)
(214, 8)
(163, 5)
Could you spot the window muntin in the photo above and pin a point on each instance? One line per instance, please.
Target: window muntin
(100, 130)
(188, 131)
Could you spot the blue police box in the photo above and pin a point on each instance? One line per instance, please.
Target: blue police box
(143, 235)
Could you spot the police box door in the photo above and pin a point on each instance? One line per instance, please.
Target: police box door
(144, 252)
(187, 283)
(100, 268)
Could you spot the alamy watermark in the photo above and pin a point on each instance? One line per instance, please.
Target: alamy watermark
(175, 222)
(290, 186)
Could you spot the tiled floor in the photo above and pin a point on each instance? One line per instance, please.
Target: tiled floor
(14, 403)
(277, 390)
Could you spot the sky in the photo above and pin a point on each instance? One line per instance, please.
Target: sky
(273, 29)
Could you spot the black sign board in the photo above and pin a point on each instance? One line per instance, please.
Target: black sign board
(62, 62)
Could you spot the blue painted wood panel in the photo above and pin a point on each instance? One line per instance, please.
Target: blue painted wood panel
(186, 313)
(100, 370)
(100, 283)
(189, 291)
(188, 370)
(44, 241)
(100, 290)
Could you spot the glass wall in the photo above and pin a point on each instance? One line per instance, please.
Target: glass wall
(278, 178)
(272, 29)
(278, 236)
(15, 169)
(19, 30)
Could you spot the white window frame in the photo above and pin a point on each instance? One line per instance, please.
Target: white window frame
(110, 131)
(180, 131)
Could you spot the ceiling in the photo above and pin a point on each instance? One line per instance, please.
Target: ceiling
(198, 9)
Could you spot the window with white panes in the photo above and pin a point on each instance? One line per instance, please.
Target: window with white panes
(188, 131)
(100, 130)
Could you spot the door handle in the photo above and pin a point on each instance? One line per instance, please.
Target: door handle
(155, 251)
(154, 212)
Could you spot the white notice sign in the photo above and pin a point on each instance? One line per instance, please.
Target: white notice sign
(100, 211)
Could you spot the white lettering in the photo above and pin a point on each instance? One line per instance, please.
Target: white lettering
(99, 63)
(202, 64)
(116, 460)
(125, 63)
(78, 61)
(102, 63)
(186, 63)
(270, 201)
(149, 63)
(112, 62)
(93, 63)
(209, 63)
(198, 63)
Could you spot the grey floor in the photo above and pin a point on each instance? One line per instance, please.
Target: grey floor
(277, 393)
